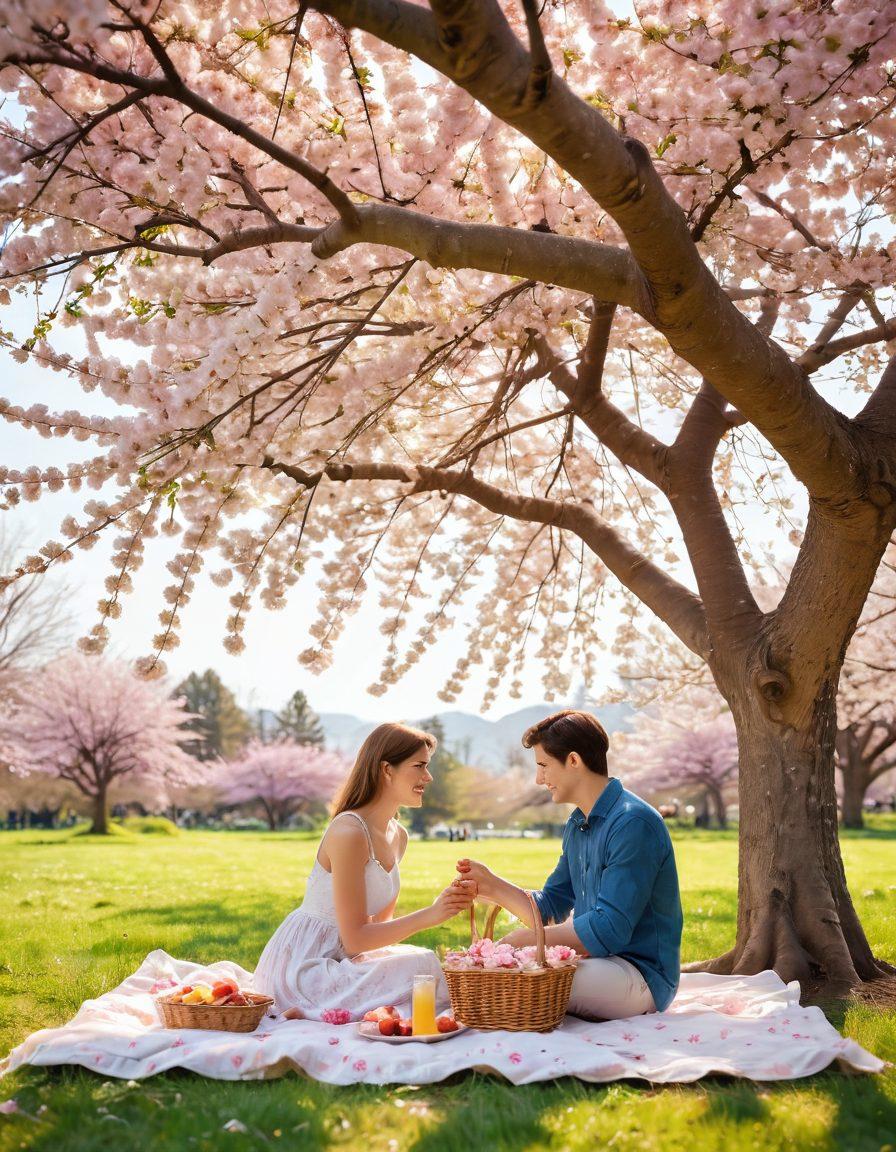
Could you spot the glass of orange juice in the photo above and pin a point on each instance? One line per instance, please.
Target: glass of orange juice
(423, 1007)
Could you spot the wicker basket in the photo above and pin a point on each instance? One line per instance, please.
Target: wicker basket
(513, 1000)
(217, 1017)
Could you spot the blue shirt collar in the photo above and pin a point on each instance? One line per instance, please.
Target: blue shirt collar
(602, 806)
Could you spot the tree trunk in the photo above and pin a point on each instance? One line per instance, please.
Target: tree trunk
(855, 785)
(100, 826)
(717, 802)
(795, 914)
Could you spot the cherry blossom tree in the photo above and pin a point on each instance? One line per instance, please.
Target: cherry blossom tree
(680, 751)
(94, 723)
(866, 703)
(283, 777)
(506, 298)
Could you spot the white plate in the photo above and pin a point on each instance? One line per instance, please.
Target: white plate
(371, 1030)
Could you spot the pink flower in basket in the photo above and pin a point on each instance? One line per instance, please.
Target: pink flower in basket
(487, 955)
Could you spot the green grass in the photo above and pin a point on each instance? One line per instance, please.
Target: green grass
(80, 912)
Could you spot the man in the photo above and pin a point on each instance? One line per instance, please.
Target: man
(616, 874)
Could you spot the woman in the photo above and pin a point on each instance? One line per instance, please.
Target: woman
(341, 948)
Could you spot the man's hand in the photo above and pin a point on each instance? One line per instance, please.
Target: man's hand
(483, 877)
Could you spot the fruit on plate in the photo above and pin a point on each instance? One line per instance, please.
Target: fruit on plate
(201, 994)
(389, 1012)
(446, 1024)
(388, 1026)
(404, 1027)
(221, 992)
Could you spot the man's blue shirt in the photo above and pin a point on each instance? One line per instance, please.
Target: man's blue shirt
(617, 874)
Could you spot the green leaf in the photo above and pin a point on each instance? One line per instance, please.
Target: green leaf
(336, 127)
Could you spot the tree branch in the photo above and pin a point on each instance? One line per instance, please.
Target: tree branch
(811, 361)
(692, 493)
(631, 445)
(678, 607)
(471, 42)
(880, 410)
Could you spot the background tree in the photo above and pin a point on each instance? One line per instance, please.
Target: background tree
(95, 724)
(36, 796)
(283, 777)
(543, 303)
(442, 794)
(678, 755)
(866, 703)
(298, 722)
(222, 727)
(34, 620)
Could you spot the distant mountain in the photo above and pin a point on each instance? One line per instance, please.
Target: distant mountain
(489, 744)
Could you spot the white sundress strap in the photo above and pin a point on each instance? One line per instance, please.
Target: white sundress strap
(366, 830)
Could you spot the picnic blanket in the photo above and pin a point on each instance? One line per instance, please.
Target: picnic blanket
(747, 1026)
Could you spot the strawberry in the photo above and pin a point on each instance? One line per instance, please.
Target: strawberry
(387, 1026)
(223, 988)
(404, 1027)
(446, 1024)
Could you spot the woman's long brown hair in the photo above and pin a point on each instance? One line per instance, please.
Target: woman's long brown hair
(390, 742)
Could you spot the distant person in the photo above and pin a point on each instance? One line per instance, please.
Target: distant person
(616, 874)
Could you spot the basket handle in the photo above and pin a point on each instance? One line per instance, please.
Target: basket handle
(489, 931)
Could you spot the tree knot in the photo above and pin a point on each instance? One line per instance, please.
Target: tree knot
(772, 687)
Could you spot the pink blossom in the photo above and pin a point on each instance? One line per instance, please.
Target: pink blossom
(282, 776)
(515, 1058)
(9, 1107)
(97, 717)
(336, 1016)
(360, 1065)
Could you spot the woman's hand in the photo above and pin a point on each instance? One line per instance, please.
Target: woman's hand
(457, 897)
(483, 877)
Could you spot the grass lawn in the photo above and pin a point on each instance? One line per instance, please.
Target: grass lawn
(80, 913)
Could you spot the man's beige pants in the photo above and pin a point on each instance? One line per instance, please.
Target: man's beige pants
(609, 988)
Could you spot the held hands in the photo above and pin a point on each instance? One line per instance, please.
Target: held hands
(483, 877)
(457, 897)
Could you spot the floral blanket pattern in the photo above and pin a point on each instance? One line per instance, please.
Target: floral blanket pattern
(747, 1026)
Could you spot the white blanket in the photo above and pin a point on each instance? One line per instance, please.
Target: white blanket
(749, 1026)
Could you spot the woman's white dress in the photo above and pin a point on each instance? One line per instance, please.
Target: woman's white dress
(305, 964)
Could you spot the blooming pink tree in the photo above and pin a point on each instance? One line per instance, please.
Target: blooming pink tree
(683, 755)
(283, 777)
(97, 725)
(510, 296)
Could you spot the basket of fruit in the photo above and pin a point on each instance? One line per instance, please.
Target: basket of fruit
(518, 989)
(220, 1006)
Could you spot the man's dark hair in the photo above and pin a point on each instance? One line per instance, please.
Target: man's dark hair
(571, 731)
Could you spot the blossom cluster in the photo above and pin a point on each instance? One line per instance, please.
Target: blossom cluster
(491, 955)
(779, 155)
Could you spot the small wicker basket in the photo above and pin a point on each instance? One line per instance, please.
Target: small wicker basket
(511, 999)
(217, 1017)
